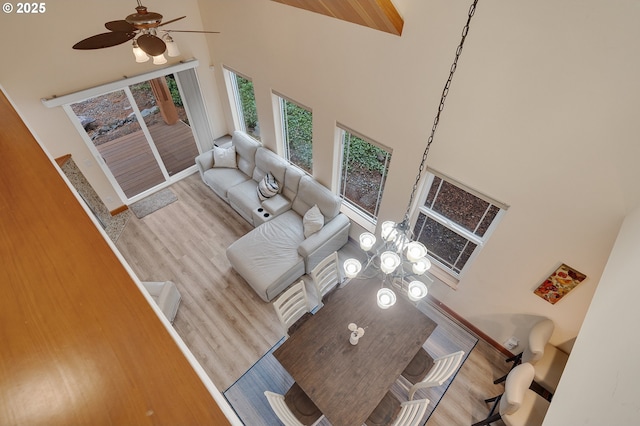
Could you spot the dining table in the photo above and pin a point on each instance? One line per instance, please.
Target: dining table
(345, 381)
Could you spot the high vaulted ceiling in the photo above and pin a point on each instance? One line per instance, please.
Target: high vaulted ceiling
(377, 14)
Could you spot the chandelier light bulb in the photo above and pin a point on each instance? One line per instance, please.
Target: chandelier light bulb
(421, 266)
(388, 230)
(417, 290)
(386, 298)
(352, 267)
(367, 240)
(415, 251)
(389, 261)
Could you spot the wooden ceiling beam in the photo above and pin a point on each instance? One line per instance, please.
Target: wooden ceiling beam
(377, 14)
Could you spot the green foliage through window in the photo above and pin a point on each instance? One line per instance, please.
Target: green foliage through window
(298, 134)
(363, 174)
(247, 102)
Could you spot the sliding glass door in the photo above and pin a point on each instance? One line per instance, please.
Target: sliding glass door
(141, 132)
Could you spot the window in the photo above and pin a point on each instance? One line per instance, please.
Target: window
(363, 173)
(245, 103)
(296, 134)
(454, 222)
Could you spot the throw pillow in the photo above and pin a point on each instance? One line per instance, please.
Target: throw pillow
(267, 187)
(224, 157)
(313, 221)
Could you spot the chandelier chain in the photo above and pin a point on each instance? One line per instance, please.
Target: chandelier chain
(443, 97)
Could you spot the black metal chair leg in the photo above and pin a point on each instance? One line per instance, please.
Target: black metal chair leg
(517, 360)
(488, 420)
(517, 357)
(500, 380)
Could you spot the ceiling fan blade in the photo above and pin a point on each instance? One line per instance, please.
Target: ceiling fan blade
(103, 40)
(121, 25)
(187, 31)
(151, 45)
(173, 20)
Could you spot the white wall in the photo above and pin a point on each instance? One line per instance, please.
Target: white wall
(601, 369)
(38, 62)
(540, 116)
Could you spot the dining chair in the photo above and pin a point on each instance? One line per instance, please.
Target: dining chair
(422, 373)
(306, 413)
(391, 411)
(518, 405)
(547, 360)
(326, 275)
(292, 305)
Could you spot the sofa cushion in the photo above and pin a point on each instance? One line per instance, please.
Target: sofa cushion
(312, 221)
(267, 257)
(224, 157)
(246, 148)
(267, 187)
(291, 182)
(222, 179)
(244, 198)
(311, 192)
(268, 161)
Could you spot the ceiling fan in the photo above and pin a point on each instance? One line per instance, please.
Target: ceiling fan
(142, 26)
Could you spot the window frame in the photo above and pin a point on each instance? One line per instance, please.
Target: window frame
(235, 99)
(352, 210)
(441, 270)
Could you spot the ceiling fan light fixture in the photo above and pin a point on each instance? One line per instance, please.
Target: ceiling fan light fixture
(139, 53)
(159, 60)
(172, 46)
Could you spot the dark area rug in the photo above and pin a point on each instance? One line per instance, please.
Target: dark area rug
(153, 203)
(246, 395)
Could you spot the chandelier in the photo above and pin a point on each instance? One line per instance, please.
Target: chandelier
(397, 250)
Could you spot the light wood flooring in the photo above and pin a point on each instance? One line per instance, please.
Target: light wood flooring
(225, 324)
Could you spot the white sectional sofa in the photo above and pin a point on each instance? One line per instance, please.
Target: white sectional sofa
(294, 229)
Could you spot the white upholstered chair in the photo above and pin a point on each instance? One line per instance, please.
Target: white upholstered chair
(326, 275)
(547, 360)
(443, 368)
(292, 305)
(166, 296)
(286, 415)
(518, 405)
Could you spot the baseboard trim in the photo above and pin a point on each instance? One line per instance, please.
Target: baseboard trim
(119, 210)
(471, 327)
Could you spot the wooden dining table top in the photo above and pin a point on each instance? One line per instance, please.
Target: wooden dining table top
(347, 381)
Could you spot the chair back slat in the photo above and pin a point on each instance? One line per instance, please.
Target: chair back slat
(411, 412)
(292, 305)
(326, 275)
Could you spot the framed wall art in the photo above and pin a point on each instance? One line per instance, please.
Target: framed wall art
(559, 283)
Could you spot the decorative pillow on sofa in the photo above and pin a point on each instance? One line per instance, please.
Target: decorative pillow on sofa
(225, 157)
(313, 221)
(267, 187)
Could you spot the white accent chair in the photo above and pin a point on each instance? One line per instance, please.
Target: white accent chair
(326, 275)
(518, 405)
(166, 296)
(292, 305)
(443, 368)
(547, 360)
(284, 413)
